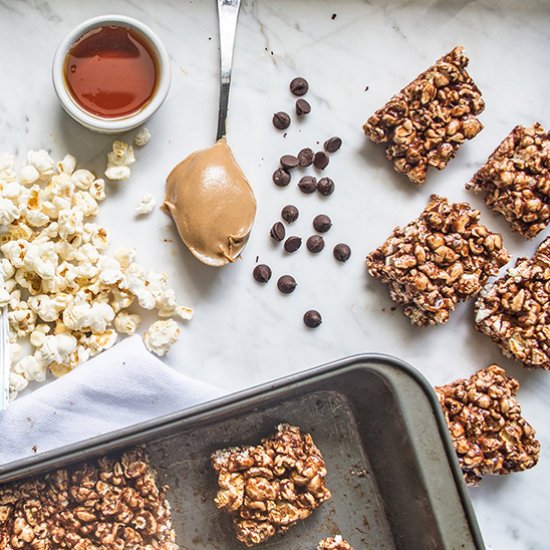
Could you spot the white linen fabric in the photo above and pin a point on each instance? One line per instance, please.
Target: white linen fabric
(120, 387)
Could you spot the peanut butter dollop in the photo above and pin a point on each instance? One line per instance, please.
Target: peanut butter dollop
(212, 204)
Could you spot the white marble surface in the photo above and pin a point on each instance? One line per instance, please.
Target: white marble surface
(244, 334)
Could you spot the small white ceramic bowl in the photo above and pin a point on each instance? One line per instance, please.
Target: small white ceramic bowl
(94, 122)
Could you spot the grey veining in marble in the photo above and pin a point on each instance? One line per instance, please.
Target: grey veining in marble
(244, 333)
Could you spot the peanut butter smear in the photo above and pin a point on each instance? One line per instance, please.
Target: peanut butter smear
(212, 204)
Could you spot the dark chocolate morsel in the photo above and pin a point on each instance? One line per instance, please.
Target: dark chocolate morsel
(278, 232)
(322, 223)
(262, 273)
(342, 252)
(286, 284)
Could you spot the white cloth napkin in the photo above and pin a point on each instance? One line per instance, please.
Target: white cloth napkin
(120, 387)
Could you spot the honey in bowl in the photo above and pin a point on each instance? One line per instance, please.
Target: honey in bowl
(111, 71)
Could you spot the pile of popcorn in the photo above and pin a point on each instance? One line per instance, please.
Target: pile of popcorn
(63, 292)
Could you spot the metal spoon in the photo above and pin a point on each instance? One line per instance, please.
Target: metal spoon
(207, 194)
(228, 13)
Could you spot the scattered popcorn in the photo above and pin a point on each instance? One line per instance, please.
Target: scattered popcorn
(122, 154)
(142, 137)
(66, 165)
(118, 173)
(146, 205)
(83, 316)
(127, 323)
(64, 294)
(97, 189)
(185, 313)
(31, 368)
(7, 163)
(82, 179)
(17, 384)
(119, 161)
(9, 212)
(125, 256)
(28, 175)
(43, 163)
(161, 335)
(38, 335)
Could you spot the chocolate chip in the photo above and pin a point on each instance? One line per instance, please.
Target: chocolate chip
(320, 160)
(322, 223)
(281, 120)
(315, 244)
(286, 284)
(342, 252)
(292, 244)
(325, 186)
(302, 107)
(312, 318)
(289, 162)
(305, 157)
(307, 184)
(299, 86)
(262, 273)
(278, 232)
(290, 213)
(333, 144)
(281, 177)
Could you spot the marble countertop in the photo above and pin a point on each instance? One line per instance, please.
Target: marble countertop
(244, 333)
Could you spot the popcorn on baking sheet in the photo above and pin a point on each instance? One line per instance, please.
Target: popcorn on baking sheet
(64, 293)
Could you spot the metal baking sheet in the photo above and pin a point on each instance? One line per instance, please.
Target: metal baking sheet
(391, 467)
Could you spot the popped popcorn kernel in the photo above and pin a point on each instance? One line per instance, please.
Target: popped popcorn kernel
(161, 335)
(146, 205)
(119, 161)
(141, 139)
(118, 173)
(127, 323)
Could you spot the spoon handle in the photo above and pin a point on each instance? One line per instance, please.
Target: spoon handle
(228, 13)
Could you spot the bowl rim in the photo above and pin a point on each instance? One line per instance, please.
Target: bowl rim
(94, 122)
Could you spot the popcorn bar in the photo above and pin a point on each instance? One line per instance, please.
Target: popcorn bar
(113, 502)
(269, 487)
(489, 434)
(514, 310)
(516, 180)
(427, 121)
(438, 260)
